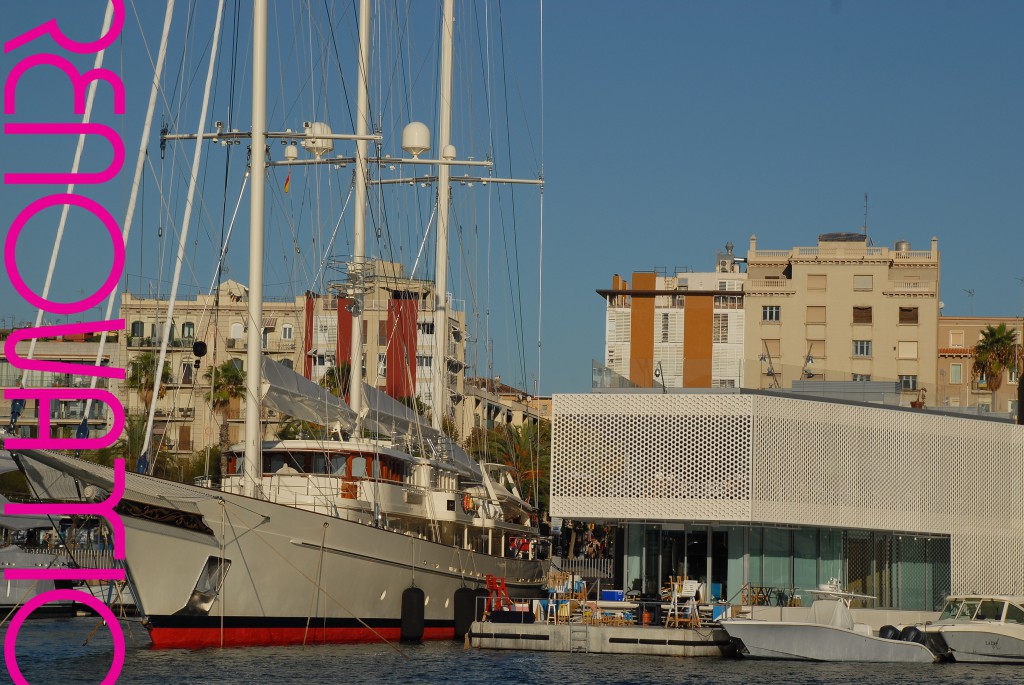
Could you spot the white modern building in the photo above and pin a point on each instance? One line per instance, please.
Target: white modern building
(759, 488)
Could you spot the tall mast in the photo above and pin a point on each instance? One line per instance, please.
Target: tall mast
(358, 268)
(439, 392)
(252, 470)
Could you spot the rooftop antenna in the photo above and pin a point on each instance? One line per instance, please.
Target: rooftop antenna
(865, 227)
(970, 297)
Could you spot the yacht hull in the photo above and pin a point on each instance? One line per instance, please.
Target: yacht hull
(209, 567)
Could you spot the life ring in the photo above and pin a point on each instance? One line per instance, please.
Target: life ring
(467, 503)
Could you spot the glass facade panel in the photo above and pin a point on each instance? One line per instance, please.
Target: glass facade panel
(754, 572)
(938, 562)
(805, 562)
(913, 572)
(777, 565)
(830, 561)
(859, 560)
(734, 580)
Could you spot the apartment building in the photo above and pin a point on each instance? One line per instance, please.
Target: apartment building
(684, 330)
(843, 310)
(184, 421)
(66, 415)
(957, 388)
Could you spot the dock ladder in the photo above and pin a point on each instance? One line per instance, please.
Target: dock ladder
(579, 637)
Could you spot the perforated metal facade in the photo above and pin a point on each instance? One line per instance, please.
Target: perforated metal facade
(761, 459)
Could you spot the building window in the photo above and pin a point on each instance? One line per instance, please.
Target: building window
(906, 349)
(138, 329)
(956, 338)
(720, 329)
(908, 382)
(236, 331)
(861, 348)
(188, 330)
(862, 314)
(956, 374)
(237, 363)
(728, 302)
(678, 301)
(425, 328)
(186, 373)
(771, 312)
(863, 282)
(815, 315)
(664, 328)
(815, 350)
(862, 377)
(287, 332)
(382, 365)
(908, 314)
(266, 338)
(287, 363)
(1014, 374)
(424, 361)
(816, 281)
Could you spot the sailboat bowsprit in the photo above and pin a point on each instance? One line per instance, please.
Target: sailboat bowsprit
(354, 538)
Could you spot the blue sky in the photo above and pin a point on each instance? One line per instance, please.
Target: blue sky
(670, 128)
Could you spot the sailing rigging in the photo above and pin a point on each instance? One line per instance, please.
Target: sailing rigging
(387, 512)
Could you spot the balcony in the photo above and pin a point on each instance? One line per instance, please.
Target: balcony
(910, 288)
(770, 285)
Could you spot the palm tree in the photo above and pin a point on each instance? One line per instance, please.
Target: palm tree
(995, 352)
(336, 379)
(227, 383)
(141, 372)
(128, 446)
(526, 449)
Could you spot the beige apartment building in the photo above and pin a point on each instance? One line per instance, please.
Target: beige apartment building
(66, 415)
(302, 333)
(958, 389)
(843, 310)
(184, 421)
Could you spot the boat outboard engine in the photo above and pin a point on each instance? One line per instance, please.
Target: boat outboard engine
(912, 634)
(889, 633)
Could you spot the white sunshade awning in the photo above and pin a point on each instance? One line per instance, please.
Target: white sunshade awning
(269, 322)
(291, 394)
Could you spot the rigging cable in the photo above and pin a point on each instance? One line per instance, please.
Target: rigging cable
(184, 233)
(90, 99)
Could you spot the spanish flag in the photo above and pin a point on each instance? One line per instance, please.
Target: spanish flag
(288, 182)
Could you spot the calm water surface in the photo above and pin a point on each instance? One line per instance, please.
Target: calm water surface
(52, 651)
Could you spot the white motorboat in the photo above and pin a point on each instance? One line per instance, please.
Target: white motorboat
(829, 634)
(980, 629)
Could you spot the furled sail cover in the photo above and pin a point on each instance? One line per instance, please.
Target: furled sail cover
(301, 398)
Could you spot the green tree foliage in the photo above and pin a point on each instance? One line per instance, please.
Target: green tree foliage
(141, 372)
(227, 383)
(997, 351)
(336, 379)
(526, 449)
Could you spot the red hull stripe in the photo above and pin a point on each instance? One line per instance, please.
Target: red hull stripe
(198, 638)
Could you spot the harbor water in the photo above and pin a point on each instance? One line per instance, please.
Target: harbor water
(51, 651)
